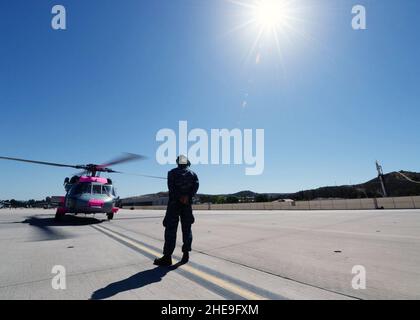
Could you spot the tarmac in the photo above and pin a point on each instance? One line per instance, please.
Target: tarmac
(248, 255)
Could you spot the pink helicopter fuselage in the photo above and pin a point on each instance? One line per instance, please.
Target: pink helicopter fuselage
(87, 202)
(93, 179)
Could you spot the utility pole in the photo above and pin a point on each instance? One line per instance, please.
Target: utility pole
(381, 179)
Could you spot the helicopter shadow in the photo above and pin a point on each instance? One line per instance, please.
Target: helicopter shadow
(136, 281)
(45, 226)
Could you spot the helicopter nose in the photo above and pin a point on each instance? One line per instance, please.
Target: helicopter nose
(96, 203)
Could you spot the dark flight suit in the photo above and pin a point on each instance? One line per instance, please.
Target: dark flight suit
(181, 182)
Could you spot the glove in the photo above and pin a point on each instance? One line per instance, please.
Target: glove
(184, 200)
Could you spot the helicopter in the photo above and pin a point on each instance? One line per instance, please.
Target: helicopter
(88, 192)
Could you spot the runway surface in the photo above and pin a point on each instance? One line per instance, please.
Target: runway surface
(236, 255)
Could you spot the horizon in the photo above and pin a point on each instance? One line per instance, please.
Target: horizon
(331, 100)
(233, 192)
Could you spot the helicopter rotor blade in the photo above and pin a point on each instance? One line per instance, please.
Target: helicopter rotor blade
(127, 157)
(140, 175)
(89, 168)
(44, 163)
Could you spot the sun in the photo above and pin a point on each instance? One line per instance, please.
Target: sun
(273, 22)
(268, 14)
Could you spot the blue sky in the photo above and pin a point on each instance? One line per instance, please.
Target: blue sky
(331, 103)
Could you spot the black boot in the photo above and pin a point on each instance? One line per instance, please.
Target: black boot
(165, 261)
(185, 257)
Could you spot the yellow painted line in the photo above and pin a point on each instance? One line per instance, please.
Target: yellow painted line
(249, 295)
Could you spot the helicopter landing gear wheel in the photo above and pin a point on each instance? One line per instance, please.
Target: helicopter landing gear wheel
(59, 216)
(110, 216)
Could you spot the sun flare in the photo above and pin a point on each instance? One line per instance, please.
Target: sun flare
(268, 14)
(273, 22)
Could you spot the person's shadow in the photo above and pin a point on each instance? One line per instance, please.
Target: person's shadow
(136, 281)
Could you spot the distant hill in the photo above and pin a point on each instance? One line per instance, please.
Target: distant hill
(396, 185)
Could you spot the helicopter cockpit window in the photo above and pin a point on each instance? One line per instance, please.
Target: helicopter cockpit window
(108, 190)
(81, 188)
(97, 189)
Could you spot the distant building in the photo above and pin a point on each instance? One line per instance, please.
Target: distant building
(157, 199)
(55, 201)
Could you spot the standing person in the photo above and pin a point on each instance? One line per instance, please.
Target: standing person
(183, 185)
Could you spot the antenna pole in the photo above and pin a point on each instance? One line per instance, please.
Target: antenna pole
(381, 179)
